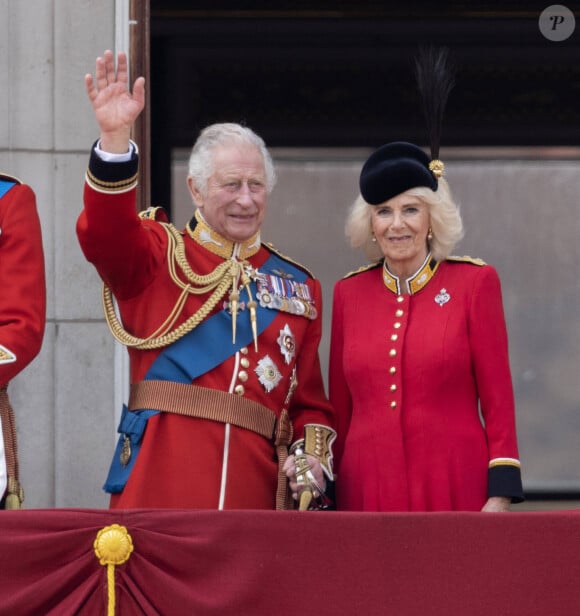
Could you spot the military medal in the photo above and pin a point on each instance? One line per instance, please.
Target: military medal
(125, 455)
(268, 373)
(287, 295)
(287, 343)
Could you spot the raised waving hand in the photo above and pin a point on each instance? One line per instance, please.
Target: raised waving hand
(116, 107)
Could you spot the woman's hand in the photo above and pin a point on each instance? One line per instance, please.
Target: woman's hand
(497, 503)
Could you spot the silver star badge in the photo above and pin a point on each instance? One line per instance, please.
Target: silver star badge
(268, 373)
(287, 343)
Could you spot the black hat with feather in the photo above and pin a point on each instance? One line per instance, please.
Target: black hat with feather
(398, 166)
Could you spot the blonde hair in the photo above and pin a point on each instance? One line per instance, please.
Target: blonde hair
(444, 215)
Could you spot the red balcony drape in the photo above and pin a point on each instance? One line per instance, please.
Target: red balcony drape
(289, 563)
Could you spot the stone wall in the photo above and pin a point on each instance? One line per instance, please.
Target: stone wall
(64, 399)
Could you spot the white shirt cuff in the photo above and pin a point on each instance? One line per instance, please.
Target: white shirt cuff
(109, 157)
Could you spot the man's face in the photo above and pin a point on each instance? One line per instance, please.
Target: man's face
(236, 198)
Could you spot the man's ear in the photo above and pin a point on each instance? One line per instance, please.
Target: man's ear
(196, 195)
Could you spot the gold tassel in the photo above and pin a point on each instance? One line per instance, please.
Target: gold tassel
(14, 494)
(113, 546)
(252, 307)
(12, 502)
(254, 320)
(234, 297)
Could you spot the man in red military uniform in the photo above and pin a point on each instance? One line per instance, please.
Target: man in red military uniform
(22, 314)
(222, 331)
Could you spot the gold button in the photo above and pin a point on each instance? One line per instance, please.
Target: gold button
(400, 298)
(239, 390)
(392, 352)
(392, 370)
(394, 337)
(244, 350)
(397, 325)
(243, 376)
(399, 313)
(393, 405)
(245, 362)
(393, 387)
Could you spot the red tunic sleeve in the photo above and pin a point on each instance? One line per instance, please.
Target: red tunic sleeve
(22, 281)
(339, 392)
(489, 349)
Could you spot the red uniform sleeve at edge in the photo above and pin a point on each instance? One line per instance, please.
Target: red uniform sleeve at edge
(22, 280)
(125, 250)
(489, 344)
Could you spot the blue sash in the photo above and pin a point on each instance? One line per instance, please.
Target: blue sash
(198, 352)
(5, 186)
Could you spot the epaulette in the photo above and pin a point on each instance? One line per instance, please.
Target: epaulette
(271, 248)
(364, 268)
(4, 177)
(467, 259)
(154, 213)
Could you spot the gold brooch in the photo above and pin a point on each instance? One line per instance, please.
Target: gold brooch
(437, 167)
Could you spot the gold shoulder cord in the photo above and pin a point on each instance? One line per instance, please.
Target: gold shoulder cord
(219, 280)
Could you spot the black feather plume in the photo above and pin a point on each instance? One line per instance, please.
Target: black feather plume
(435, 79)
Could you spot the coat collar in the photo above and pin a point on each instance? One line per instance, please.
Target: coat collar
(204, 235)
(416, 282)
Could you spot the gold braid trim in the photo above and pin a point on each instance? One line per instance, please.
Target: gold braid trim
(317, 442)
(219, 281)
(102, 186)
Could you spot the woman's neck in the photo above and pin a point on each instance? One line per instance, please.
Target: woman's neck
(403, 271)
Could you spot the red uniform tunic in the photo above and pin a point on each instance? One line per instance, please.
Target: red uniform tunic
(407, 375)
(22, 285)
(188, 462)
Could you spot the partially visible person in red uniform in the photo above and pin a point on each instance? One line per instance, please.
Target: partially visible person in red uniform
(418, 348)
(222, 331)
(22, 315)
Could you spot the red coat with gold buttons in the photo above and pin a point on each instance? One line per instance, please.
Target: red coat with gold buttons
(407, 376)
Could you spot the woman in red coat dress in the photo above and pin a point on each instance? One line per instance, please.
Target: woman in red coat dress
(419, 371)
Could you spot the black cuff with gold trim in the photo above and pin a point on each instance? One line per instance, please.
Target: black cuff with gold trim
(505, 480)
(112, 176)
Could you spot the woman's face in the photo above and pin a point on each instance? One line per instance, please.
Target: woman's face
(401, 225)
